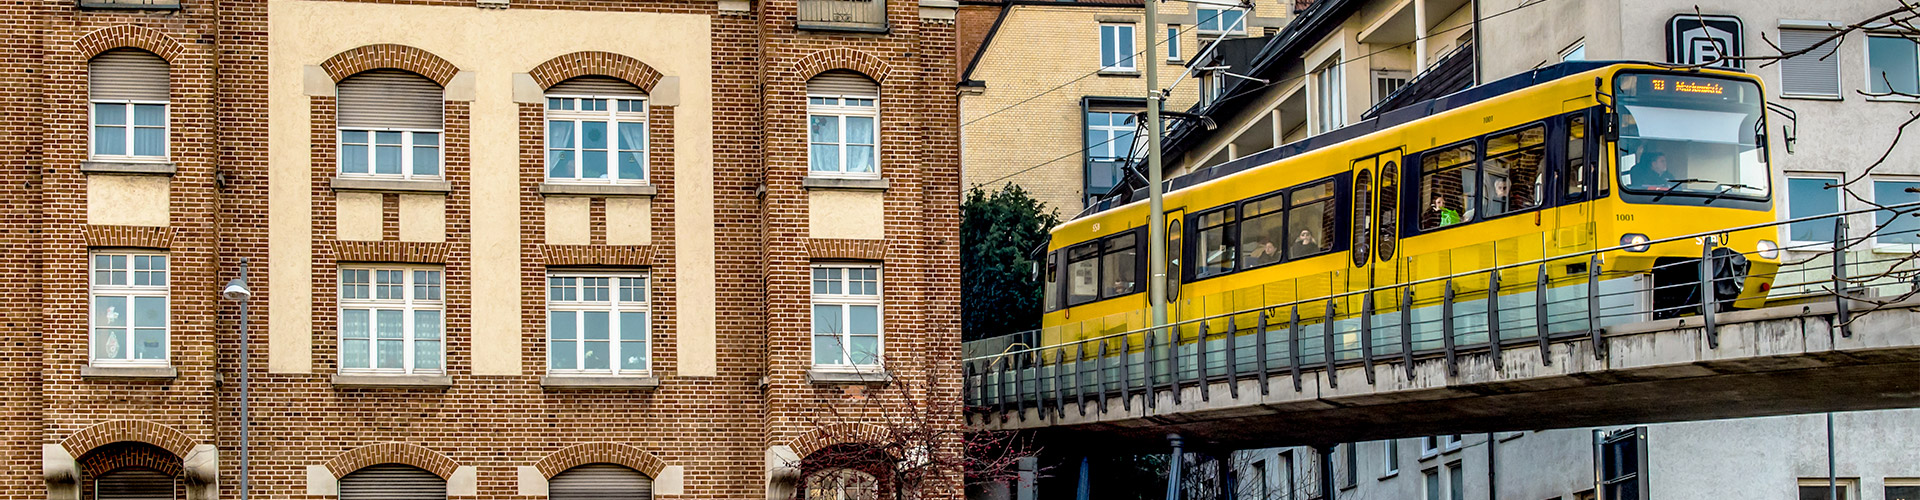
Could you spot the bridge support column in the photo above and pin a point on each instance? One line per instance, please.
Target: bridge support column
(1028, 469)
(1175, 462)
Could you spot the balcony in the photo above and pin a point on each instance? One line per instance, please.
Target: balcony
(860, 16)
(131, 4)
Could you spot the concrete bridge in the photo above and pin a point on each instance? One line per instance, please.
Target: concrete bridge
(1282, 388)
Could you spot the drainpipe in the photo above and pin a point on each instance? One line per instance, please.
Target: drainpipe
(1833, 477)
(1477, 48)
(1493, 483)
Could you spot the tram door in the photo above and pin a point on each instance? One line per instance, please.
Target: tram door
(1375, 219)
(1176, 250)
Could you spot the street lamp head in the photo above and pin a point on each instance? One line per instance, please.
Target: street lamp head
(236, 290)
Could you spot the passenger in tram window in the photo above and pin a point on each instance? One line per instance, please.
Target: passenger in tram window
(1306, 244)
(1497, 199)
(1261, 250)
(1120, 286)
(1439, 211)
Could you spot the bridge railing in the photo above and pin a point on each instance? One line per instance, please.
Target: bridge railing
(1534, 301)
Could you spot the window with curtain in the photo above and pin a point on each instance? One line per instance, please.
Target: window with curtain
(128, 90)
(130, 320)
(390, 319)
(597, 324)
(1331, 86)
(843, 119)
(596, 132)
(847, 320)
(390, 125)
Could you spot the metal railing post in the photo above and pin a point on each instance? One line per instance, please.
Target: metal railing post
(1261, 360)
(1843, 312)
(1446, 329)
(1173, 361)
(1493, 317)
(1200, 362)
(1233, 359)
(1019, 398)
(1080, 375)
(1406, 330)
(1327, 338)
(1709, 297)
(968, 386)
(1146, 355)
(1366, 334)
(1593, 307)
(1540, 315)
(1293, 331)
(1126, 374)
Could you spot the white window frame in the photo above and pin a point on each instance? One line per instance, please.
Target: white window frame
(613, 117)
(408, 305)
(614, 307)
(1579, 49)
(845, 300)
(1330, 82)
(1838, 69)
(1173, 43)
(1866, 54)
(1896, 482)
(1786, 196)
(406, 154)
(1439, 484)
(1239, 27)
(1873, 194)
(166, 130)
(841, 111)
(1389, 458)
(1112, 133)
(130, 292)
(1448, 483)
(1849, 486)
(1123, 60)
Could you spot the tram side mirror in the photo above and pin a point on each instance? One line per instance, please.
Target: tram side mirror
(1610, 127)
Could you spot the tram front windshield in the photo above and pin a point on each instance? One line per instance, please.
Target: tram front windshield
(1685, 138)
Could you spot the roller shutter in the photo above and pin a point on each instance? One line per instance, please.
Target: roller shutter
(1813, 73)
(844, 83)
(127, 74)
(389, 98)
(133, 484)
(600, 482)
(596, 86)
(392, 482)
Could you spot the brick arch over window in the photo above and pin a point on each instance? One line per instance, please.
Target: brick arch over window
(842, 58)
(845, 433)
(389, 56)
(600, 453)
(105, 433)
(127, 35)
(585, 63)
(126, 454)
(392, 453)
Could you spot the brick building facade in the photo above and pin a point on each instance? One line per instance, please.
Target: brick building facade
(463, 289)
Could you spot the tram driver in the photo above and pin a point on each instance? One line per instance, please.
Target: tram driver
(1655, 176)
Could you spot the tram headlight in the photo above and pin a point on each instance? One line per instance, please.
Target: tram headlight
(1767, 249)
(1635, 242)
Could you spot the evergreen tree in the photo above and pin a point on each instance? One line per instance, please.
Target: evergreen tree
(998, 233)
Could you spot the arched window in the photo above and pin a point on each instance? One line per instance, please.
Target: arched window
(392, 482)
(843, 125)
(133, 483)
(128, 90)
(600, 482)
(390, 125)
(596, 131)
(842, 484)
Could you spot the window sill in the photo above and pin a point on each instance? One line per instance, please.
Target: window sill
(391, 186)
(845, 184)
(592, 382)
(97, 372)
(126, 167)
(1123, 73)
(108, 5)
(874, 28)
(1390, 475)
(846, 377)
(1814, 97)
(369, 381)
(611, 190)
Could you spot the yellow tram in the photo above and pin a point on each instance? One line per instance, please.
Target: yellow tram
(1556, 162)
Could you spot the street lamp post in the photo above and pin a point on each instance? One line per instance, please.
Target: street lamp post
(237, 290)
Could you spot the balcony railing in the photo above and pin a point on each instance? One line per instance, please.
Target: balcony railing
(867, 16)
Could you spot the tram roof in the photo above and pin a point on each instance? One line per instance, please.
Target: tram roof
(1361, 128)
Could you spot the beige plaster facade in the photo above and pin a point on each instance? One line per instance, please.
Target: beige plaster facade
(846, 214)
(128, 200)
(307, 33)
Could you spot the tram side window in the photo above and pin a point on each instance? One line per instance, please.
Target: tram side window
(1514, 179)
(1119, 266)
(1311, 220)
(1447, 184)
(1083, 273)
(1389, 211)
(1051, 295)
(1214, 243)
(1577, 174)
(1263, 230)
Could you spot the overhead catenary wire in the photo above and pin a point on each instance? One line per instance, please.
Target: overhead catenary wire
(1234, 95)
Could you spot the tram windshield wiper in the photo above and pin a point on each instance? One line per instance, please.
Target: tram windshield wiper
(1724, 189)
(1674, 184)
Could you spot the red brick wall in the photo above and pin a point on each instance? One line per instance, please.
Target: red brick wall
(717, 428)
